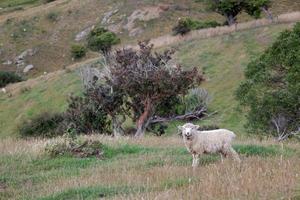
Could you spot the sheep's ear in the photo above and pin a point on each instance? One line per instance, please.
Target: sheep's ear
(180, 128)
(196, 126)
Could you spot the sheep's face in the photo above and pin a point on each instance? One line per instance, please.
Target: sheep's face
(188, 130)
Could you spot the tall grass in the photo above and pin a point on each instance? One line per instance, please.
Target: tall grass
(147, 169)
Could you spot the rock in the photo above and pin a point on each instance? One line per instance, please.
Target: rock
(143, 14)
(20, 59)
(135, 32)
(28, 52)
(83, 34)
(108, 15)
(8, 62)
(28, 68)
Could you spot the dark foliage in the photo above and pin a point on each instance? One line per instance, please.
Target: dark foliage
(43, 125)
(147, 80)
(78, 51)
(100, 39)
(86, 115)
(185, 25)
(272, 87)
(231, 8)
(9, 77)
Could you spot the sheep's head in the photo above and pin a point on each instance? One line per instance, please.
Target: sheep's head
(188, 130)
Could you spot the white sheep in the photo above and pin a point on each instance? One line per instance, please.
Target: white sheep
(204, 142)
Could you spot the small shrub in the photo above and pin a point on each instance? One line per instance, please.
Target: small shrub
(9, 77)
(74, 147)
(25, 89)
(78, 51)
(100, 39)
(52, 16)
(196, 98)
(185, 25)
(86, 116)
(44, 125)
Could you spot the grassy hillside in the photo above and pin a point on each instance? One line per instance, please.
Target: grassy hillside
(221, 58)
(51, 28)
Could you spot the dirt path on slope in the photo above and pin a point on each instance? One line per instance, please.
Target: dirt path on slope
(31, 10)
(16, 87)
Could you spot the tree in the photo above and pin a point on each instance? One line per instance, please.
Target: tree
(228, 8)
(147, 79)
(232, 8)
(254, 8)
(271, 90)
(100, 39)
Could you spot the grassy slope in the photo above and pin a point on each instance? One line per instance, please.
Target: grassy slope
(222, 59)
(54, 38)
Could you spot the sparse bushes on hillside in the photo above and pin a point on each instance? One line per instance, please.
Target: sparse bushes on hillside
(101, 39)
(9, 77)
(272, 88)
(43, 125)
(185, 25)
(78, 51)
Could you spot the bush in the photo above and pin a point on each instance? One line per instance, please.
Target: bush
(197, 98)
(72, 146)
(100, 39)
(44, 125)
(78, 51)
(185, 25)
(85, 115)
(52, 16)
(8, 77)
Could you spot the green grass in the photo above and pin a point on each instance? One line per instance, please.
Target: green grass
(46, 95)
(223, 59)
(14, 3)
(19, 170)
(110, 152)
(92, 193)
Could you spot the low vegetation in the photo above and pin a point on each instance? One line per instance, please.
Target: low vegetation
(78, 51)
(101, 40)
(146, 168)
(43, 125)
(9, 77)
(186, 25)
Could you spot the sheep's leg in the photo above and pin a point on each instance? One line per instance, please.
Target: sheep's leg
(195, 160)
(234, 155)
(221, 154)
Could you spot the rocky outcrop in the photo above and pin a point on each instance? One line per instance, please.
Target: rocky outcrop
(28, 68)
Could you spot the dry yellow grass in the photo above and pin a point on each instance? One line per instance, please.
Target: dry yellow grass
(160, 177)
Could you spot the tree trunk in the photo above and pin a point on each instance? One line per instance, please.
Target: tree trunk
(268, 13)
(118, 131)
(144, 119)
(231, 20)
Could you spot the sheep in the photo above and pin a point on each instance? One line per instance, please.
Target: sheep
(204, 142)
